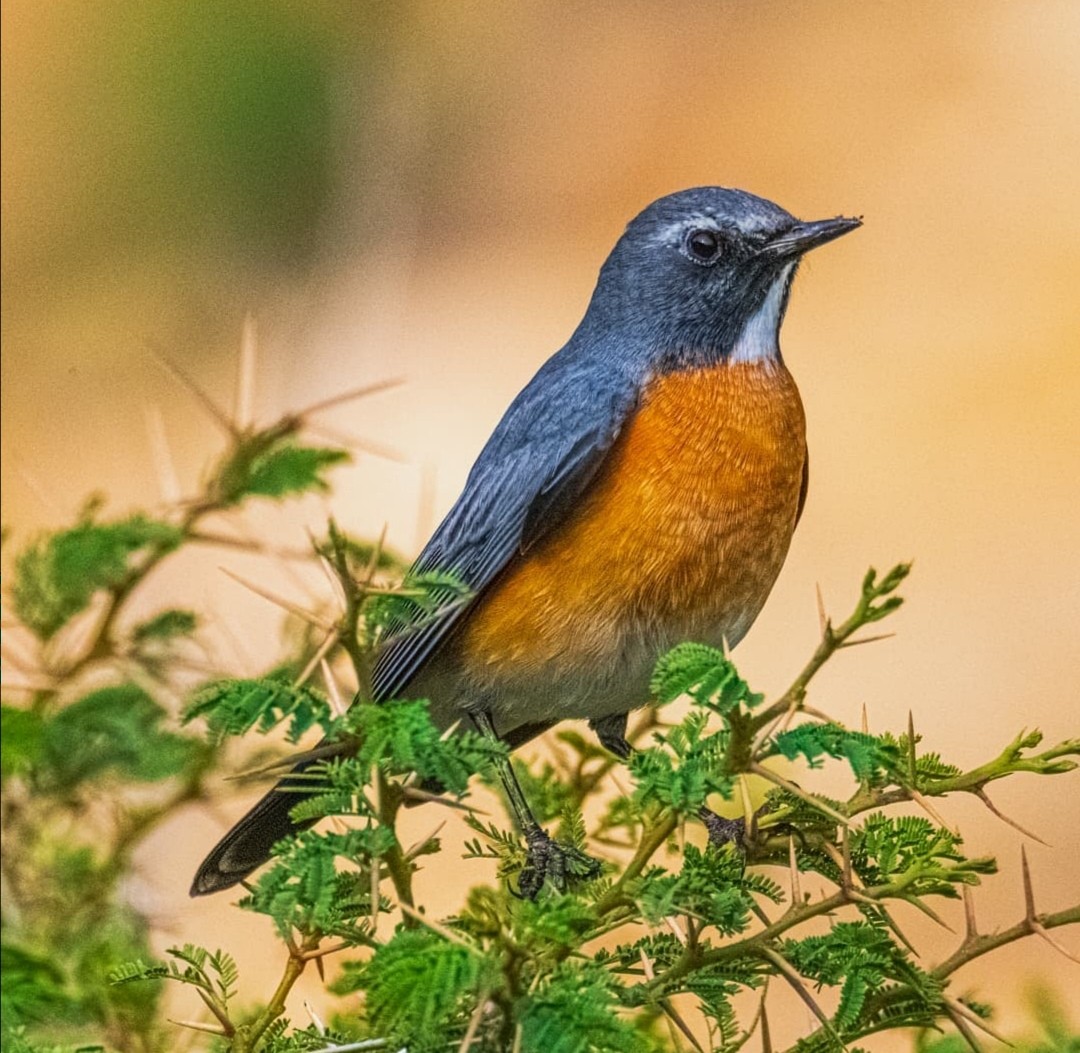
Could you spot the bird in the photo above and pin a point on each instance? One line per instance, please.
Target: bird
(642, 490)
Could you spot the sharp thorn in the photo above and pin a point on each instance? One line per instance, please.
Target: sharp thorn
(376, 789)
(474, 1022)
(376, 554)
(927, 807)
(285, 763)
(353, 393)
(414, 793)
(216, 413)
(791, 788)
(1040, 931)
(911, 757)
(646, 965)
(1029, 892)
(962, 1010)
(982, 795)
(971, 928)
(280, 601)
(164, 466)
(244, 403)
(865, 723)
(793, 866)
(194, 1025)
(748, 806)
(437, 927)
(962, 1026)
(681, 1024)
(676, 928)
(823, 618)
(333, 691)
(897, 931)
(317, 658)
(787, 971)
(766, 1036)
(356, 442)
(316, 1021)
(865, 640)
(450, 731)
(376, 866)
(932, 914)
(414, 850)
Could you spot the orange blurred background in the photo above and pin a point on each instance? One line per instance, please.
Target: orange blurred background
(426, 190)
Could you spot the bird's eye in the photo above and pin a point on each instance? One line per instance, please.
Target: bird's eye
(703, 246)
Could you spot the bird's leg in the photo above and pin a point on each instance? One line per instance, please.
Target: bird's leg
(611, 731)
(548, 859)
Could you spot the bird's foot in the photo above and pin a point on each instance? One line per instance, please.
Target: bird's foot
(556, 861)
(731, 831)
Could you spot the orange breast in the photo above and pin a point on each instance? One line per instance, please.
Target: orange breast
(680, 536)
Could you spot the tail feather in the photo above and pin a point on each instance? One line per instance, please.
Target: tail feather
(247, 845)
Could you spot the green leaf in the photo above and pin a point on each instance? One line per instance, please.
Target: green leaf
(706, 675)
(234, 707)
(303, 890)
(420, 989)
(22, 735)
(400, 737)
(57, 575)
(574, 1011)
(860, 958)
(291, 469)
(712, 886)
(165, 626)
(868, 755)
(116, 729)
(34, 987)
(271, 464)
(684, 768)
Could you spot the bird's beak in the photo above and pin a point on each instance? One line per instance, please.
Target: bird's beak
(803, 237)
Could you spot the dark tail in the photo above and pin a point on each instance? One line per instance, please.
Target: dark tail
(247, 845)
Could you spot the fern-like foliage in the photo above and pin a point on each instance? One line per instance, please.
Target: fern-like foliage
(273, 464)
(401, 738)
(57, 575)
(712, 886)
(214, 972)
(320, 882)
(860, 958)
(575, 1010)
(870, 757)
(706, 675)
(420, 988)
(118, 729)
(234, 707)
(684, 767)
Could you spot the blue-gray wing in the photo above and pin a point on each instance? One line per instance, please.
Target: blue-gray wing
(540, 458)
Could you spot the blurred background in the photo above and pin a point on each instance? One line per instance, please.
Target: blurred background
(425, 191)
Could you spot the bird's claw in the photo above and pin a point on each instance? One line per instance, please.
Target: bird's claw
(731, 831)
(556, 861)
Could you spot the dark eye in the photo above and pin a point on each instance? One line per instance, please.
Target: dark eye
(703, 245)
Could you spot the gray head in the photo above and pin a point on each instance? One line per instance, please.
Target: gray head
(703, 276)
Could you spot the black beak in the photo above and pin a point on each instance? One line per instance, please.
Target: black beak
(803, 237)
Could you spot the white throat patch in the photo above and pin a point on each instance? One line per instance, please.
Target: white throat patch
(758, 342)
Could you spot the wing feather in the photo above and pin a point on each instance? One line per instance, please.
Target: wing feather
(539, 460)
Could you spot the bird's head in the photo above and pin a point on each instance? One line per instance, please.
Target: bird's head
(703, 275)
